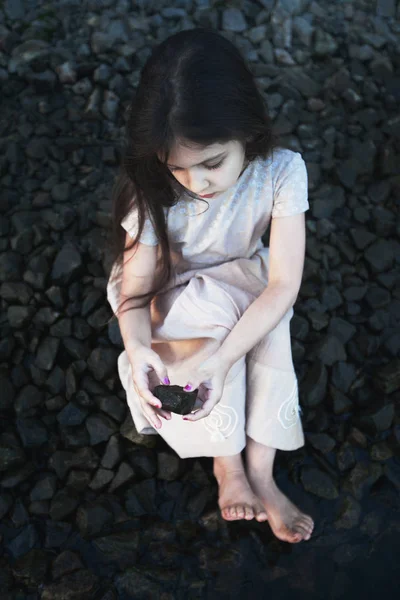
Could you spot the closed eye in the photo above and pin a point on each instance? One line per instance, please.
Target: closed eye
(210, 167)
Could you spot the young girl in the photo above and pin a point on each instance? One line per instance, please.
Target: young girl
(200, 301)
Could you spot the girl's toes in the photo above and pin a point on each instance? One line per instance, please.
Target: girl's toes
(226, 514)
(249, 513)
(299, 529)
(305, 523)
(240, 512)
(261, 516)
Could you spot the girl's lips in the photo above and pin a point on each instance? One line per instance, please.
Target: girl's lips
(207, 195)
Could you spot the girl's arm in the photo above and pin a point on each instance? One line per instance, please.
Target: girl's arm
(287, 251)
(138, 278)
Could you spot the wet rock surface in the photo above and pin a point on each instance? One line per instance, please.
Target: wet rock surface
(89, 508)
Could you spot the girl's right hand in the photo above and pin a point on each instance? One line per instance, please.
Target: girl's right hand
(148, 371)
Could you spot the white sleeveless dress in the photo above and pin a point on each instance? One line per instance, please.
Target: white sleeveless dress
(221, 267)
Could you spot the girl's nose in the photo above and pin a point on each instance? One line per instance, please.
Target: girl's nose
(197, 183)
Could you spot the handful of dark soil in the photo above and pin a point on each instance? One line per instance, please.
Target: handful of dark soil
(175, 399)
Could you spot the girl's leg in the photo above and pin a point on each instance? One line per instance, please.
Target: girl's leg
(236, 498)
(287, 522)
(272, 422)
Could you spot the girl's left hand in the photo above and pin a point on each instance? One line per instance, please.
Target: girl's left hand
(209, 379)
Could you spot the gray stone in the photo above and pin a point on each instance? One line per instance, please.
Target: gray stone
(380, 256)
(124, 474)
(28, 397)
(79, 585)
(67, 266)
(318, 483)
(62, 505)
(266, 52)
(348, 513)
(45, 488)
(14, 9)
(100, 428)
(341, 329)
(324, 44)
(341, 404)
(299, 327)
(313, 387)
(102, 362)
(355, 293)
(62, 460)
(386, 8)
(6, 501)
(381, 451)
(119, 548)
(141, 498)
(283, 57)
(377, 297)
(112, 453)
(32, 432)
(376, 420)
(302, 82)
(388, 377)
(72, 415)
(110, 105)
(66, 72)
(14, 292)
(304, 30)
(361, 478)
(346, 457)
(329, 350)
(343, 375)
(24, 541)
(233, 20)
(66, 562)
(318, 320)
(169, 466)
(46, 353)
(19, 316)
(362, 237)
(257, 34)
(25, 53)
(11, 457)
(91, 520)
(321, 441)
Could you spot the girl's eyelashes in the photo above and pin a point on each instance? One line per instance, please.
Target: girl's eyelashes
(210, 168)
(216, 166)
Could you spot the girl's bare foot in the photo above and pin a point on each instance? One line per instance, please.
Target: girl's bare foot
(287, 522)
(236, 499)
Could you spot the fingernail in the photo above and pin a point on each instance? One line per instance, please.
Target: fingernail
(188, 387)
(166, 381)
(185, 419)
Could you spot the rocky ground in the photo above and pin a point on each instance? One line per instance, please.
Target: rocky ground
(91, 510)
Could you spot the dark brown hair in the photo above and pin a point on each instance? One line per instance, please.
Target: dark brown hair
(195, 87)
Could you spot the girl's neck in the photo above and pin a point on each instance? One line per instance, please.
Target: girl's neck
(245, 165)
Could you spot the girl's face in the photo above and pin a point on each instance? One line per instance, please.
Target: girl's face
(210, 170)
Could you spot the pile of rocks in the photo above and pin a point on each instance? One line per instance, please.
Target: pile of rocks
(89, 508)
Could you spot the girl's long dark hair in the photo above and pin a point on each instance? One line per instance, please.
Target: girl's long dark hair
(195, 87)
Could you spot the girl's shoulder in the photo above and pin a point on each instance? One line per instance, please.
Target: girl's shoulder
(278, 162)
(283, 158)
(289, 183)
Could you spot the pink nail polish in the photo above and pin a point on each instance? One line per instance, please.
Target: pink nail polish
(188, 387)
(166, 381)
